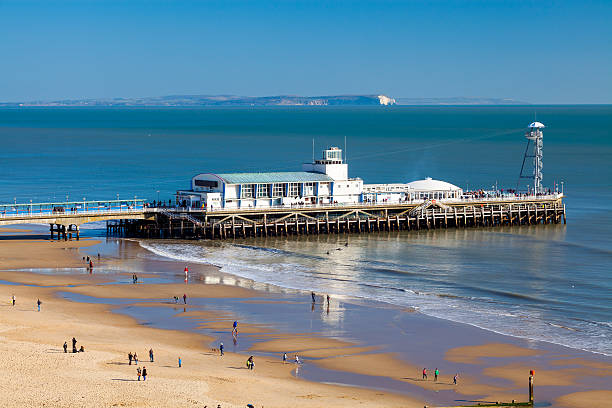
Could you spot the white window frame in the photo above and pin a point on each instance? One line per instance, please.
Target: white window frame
(263, 190)
(278, 190)
(293, 190)
(246, 191)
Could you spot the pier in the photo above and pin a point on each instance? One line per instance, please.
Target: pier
(135, 218)
(360, 218)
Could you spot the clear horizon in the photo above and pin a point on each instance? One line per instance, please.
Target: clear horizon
(537, 52)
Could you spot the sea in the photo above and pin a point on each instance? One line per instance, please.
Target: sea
(550, 283)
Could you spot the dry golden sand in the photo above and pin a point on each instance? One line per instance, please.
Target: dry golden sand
(38, 373)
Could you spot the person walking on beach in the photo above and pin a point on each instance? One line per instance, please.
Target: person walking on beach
(13, 300)
(144, 373)
(130, 357)
(250, 363)
(38, 302)
(297, 359)
(135, 358)
(65, 347)
(436, 372)
(180, 362)
(235, 326)
(221, 348)
(328, 300)
(184, 298)
(139, 372)
(74, 342)
(455, 379)
(151, 355)
(312, 295)
(284, 358)
(424, 373)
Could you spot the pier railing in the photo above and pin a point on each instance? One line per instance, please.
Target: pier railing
(118, 207)
(462, 200)
(71, 208)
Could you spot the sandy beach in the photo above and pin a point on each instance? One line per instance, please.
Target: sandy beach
(111, 318)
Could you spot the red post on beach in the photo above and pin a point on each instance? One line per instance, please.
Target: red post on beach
(531, 375)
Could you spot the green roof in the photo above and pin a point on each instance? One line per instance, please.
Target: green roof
(273, 177)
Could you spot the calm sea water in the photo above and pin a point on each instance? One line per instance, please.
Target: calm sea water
(549, 283)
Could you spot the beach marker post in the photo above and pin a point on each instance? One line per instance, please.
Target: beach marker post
(186, 272)
(531, 375)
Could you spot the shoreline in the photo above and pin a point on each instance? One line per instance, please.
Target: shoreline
(354, 297)
(363, 359)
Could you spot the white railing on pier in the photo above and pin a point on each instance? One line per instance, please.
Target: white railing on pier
(71, 209)
(464, 199)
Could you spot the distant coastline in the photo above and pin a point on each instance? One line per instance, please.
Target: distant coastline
(279, 100)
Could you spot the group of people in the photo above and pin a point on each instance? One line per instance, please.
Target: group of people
(436, 374)
(296, 359)
(314, 298)
(74, 347)
(134, 278)
(133, 357)
(89, 262)
(176, 299)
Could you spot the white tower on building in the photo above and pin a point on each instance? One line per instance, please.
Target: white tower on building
(534, 136)
(331, 164)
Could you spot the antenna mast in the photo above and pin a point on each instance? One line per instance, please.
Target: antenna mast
(313, 160)
(345, 155)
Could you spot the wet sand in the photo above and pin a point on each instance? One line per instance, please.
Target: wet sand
(352, 343)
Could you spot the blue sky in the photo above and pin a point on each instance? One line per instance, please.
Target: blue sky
(536, 51)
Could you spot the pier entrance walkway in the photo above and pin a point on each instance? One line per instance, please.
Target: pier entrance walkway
(66, 217)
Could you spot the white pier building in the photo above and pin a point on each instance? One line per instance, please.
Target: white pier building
(323, 182)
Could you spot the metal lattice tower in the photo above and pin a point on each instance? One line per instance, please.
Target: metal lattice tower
(534, 134)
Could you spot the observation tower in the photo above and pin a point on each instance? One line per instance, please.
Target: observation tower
(534, 150)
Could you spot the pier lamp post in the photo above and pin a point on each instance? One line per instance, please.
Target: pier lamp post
(561, 187)
(158, 196)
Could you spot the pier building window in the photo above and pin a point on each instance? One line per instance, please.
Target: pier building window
(263, 190)
(294, 189)
(246, 191)
(206, 183)
(308, 189)
(278, 190)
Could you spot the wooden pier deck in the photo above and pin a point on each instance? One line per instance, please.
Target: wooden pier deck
(341, 219)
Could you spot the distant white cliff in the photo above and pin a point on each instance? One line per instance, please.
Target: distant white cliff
(385, 100)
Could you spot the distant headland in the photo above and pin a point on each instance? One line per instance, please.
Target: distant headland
(279, 100)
